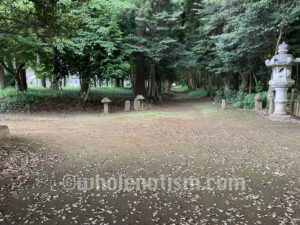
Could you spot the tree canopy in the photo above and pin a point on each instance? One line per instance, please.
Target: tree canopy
(199, 42)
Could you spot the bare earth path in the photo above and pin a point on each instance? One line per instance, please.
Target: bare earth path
(183, 138)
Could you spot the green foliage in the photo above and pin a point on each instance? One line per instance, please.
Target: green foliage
(219, 96)
(200, 93)
(100, 38)
(259, 87)
(239, 99)
(243, 100)
(12, 99)
(226, 38)
(180, 88)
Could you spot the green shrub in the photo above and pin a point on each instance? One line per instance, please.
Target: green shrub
(259, 87)
(264, 96)
(249, 101)
(228, 95)
(12, 99)
(246, 101)
(238, 99)
(219, 96)
(200, 93)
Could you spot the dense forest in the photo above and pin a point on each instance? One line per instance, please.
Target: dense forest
(213, 44)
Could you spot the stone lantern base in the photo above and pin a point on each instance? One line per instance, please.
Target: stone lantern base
(276, 117)
(4, 132)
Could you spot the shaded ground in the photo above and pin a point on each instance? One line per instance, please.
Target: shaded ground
(181, 139)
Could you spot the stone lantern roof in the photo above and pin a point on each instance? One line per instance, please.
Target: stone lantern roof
(106, 100)
(282, 58)
(139, 97)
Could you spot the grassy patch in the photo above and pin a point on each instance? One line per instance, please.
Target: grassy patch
(207, 109)
(12, 99)
(180, 88)
(199, 93)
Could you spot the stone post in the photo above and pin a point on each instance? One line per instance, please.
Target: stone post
(258, 103)
(127, 106)
(297, 109)
(136, 105)
(223, 104)
(4, 132)
(294, 97)
(281, 65)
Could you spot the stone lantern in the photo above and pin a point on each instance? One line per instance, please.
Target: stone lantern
(139, 102)
(106, 102)
(281, 65)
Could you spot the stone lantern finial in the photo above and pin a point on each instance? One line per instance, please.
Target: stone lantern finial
(283, 48)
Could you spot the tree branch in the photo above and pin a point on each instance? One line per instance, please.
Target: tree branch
(7, 69)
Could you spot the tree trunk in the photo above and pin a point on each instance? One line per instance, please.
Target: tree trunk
(250, 84)
(84, 87)
(20, 77)
(153, 88)
(2, 78)
(65, 81)
(244, 83)
(297, 75)
(23, 79)
(198, 72)
(210, 87)
(95, 81)
(44, 84)
(117, 82)
(167, 86)
(140, 75)
(189, 83)
(205, 81)
(227, 90)
(100, 80)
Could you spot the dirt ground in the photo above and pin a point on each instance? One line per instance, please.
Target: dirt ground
(182, 138)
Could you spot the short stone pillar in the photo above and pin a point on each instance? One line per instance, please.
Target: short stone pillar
(139, 102)
(297, 109)
(127, 106)
(4, 132)
(106, 102)
(223, 104)
(271, 102)
(258, 103)
(294, 97)
(281, 65)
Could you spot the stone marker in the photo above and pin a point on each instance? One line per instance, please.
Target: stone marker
(297, 111)
(139, 102)
(294, 97)
(282, 65)
(223, 104)
(106, 102)
(136, 105)
(4, 131)
(127, 106)
(258, 103)
(271, 103)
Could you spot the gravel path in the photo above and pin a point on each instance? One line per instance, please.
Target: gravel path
(244, 169)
